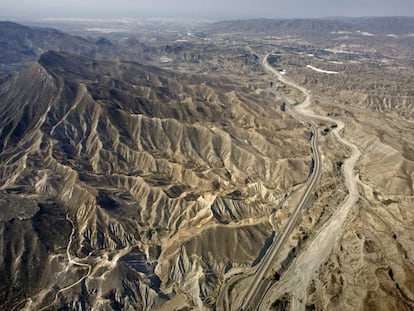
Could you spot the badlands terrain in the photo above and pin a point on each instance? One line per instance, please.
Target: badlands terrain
(256, 165)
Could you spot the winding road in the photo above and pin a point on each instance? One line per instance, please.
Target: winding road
(297, 279)
(319, 249)
(256, 286)
(30, 303)
(71, 261)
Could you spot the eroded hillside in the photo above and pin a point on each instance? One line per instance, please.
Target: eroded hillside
(124, 186)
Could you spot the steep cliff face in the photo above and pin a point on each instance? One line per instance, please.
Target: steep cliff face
(123, 185)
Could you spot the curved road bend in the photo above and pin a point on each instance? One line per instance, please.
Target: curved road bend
(265, 265)
(321, 246)
(255, 290)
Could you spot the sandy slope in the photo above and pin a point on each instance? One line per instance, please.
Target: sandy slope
(298, 277)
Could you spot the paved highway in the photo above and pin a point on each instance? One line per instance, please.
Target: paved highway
(259, 284)
(255, 291)
(297, 279)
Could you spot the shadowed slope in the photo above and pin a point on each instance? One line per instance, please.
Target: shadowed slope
(135, 158)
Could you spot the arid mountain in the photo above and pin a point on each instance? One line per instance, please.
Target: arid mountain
(376, 25)
(135, 187)
(126, 186)
(21, 44)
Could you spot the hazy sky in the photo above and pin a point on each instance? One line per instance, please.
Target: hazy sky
(215, 9)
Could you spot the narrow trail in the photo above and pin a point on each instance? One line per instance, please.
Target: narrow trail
(71, 262)
(297, 278)
(31, 303)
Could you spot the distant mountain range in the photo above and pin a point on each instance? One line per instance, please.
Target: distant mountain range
(21, 44)
(397, 25)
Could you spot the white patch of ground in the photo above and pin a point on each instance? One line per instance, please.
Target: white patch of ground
(341, 32)
(321, 70)
(339, 50)
(165, 59)
(365, 33)
(393, 35)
